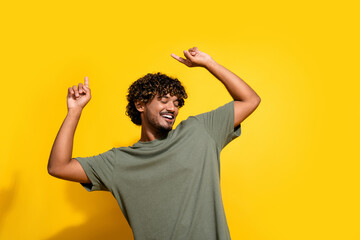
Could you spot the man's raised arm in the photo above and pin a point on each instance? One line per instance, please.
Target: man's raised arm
(245, 98)
(61, 164)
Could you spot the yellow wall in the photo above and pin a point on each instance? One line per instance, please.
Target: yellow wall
(293, 173)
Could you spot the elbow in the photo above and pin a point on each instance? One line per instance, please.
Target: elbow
(256, 101)
(54, 173)
(51, 171)
(259, 100)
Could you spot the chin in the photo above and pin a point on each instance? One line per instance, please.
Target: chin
(166, 128)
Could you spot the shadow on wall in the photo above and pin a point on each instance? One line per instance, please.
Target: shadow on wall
(104, 219)
(7, 200)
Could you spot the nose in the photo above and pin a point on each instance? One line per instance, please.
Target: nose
(170, 106)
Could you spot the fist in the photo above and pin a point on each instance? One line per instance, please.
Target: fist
(79, 96)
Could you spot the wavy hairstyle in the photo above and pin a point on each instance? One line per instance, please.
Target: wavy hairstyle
(145, 89)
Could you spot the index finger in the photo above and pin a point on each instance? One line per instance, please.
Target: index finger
(86, 82)
(180, 59)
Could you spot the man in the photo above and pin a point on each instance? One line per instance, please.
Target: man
(168, 183)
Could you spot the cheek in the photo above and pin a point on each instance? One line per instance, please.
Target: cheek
(151, 115)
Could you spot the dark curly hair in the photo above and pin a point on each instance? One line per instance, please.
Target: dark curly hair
(145, 89)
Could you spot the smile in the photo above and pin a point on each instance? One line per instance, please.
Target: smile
(167, 116)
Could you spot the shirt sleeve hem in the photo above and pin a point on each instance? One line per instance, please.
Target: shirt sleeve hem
(88, 186)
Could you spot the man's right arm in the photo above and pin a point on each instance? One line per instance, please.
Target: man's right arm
(61, 164)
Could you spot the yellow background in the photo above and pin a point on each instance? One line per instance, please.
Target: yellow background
(293, 173)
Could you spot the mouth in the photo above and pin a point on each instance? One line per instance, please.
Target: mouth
(169, 117)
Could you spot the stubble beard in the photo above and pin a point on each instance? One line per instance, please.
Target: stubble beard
(154, 121)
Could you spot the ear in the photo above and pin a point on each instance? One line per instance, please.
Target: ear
(140, 106)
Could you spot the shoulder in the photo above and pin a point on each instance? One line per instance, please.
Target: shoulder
(191, 121)
(224, 111)
(188, 127)
(122, 150)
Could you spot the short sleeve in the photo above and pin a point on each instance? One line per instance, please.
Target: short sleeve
(99, 170)
(220, 124)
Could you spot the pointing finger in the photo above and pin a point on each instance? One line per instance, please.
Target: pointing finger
(86, 82)
(180, 59)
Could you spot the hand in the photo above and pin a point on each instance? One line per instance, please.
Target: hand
(79, 96)
(194, 58)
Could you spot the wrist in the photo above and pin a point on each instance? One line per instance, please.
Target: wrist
(210, 64)
(74, 111)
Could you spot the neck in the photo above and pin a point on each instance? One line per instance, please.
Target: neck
(148, 134)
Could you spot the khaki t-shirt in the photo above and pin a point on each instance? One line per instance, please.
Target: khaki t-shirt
(170, 188)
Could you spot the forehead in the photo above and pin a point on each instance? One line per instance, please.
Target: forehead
(167, 96)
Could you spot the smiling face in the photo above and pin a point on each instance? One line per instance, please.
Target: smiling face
(160, 113)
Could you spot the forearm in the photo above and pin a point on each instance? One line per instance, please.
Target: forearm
(61, 152)
(237, 88)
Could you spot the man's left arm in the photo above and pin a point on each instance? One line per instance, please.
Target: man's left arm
(245, 98)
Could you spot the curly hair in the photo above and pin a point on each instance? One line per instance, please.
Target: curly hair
(145, 89)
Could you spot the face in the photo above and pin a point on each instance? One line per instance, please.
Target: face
(160, 113)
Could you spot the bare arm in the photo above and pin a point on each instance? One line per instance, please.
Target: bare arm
(245, 98)
(60, 163)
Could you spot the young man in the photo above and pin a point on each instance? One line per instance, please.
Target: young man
(168, 183)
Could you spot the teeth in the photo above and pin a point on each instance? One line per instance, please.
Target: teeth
(167, 116)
